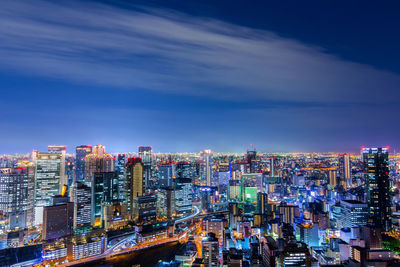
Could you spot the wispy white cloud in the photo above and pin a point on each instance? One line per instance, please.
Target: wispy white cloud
(163, 50)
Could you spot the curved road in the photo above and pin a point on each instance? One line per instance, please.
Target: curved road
(116, 248)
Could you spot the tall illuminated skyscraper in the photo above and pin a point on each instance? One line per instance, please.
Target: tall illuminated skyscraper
(377, 182)
(251, 158)
(82, 198)
(165, 175)
(104, 191)
(49, 177)
(345, 170)
(81, 152)
(119, 168)
(17, 196)
(97, 161)
(145, 153)
(207, 167)
(134, 169)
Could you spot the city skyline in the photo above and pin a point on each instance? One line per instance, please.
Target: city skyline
(198, 75)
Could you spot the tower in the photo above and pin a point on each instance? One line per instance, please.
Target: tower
(81, 152)
(145, 152)
(49, 177)
(134, 169)
(97, 161)
(377, 182)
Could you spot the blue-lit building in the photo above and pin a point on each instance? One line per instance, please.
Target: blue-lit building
(165, 175)
(81, 152)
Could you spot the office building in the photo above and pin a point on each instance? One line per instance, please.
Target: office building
(206, 170)
(251, 158)
(82, 198)
(145, 153)
(146, 209)
(377, 182)
(183, 195)
(80, 154)
(262, 203)
(97, 161)
(332, 178)
(17, 196)
(119, 168)
(345, 170)
(134, 172)
(296, 255)
(49, 177)
(165, 176)
(104, 191)
(354, 213)
(210, 250)
(214, 225)
(58, 219)
(235, 190)
(288, 211)
(184, 169)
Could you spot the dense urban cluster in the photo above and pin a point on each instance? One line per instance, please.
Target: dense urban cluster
(220, 209)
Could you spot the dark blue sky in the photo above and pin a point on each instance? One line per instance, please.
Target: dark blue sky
(187, 75)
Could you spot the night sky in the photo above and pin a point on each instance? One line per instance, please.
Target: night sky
(185, 75)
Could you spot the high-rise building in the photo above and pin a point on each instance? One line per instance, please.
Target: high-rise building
(104, 191)
(353, 213)
(184, 169)
(145, 152)
(49, 177)
(296, 254)
(81, 152)
(70, 171)
(262, 203)
(272, 166)
(377, 182)
(210, 250)
(134, 172)
(207, 167)
(17, 196)
(58, 219)
(147, 208)
(345, 170)
(235, 190)
(183, 195)
(119, 168)
(82, 198)
(332, 178)
(165, 175)
(288, 211)
(97, 161)
(251, 158)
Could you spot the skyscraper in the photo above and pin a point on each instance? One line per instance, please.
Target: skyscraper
(272, 166)
(49, 177)
(165, 175)
(183, 195)
(251, 158)
(104, 191)
(145, 153)
(332, 178)
(207, 167)
(81, 152)
(119, 168)
(97, 161)
(82, 198)
(58, 218)
(377, 182)
(16, 196)
(134, 169)
(210, 250)
(345, 170)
